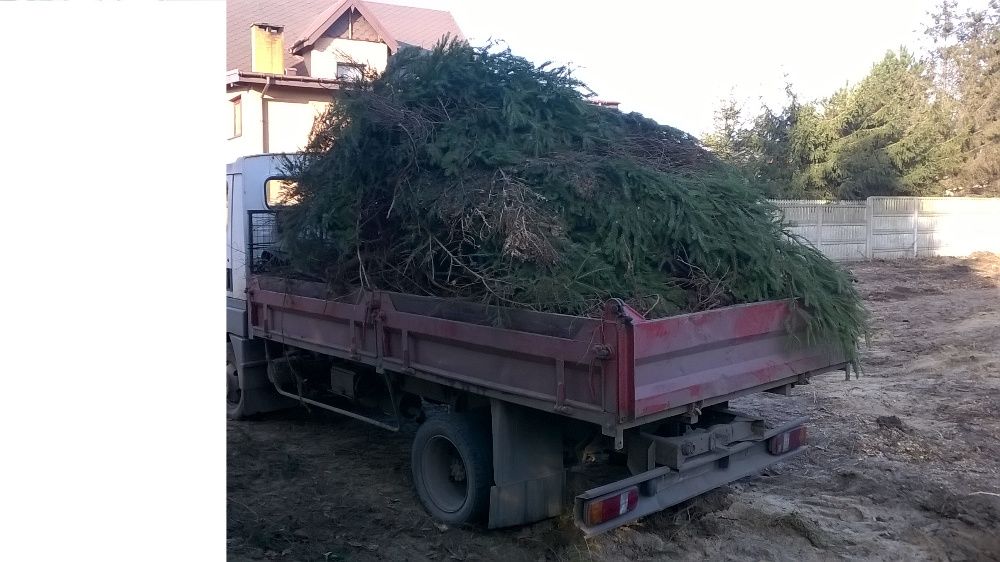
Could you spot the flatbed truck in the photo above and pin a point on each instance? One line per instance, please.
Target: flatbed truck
(508, 401)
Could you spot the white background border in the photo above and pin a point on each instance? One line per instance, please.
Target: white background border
(111, 236)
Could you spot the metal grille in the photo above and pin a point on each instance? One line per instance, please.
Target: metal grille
(263, 240)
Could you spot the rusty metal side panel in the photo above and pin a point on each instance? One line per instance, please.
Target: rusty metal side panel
(344, 328)
(561, 371)
(566, 375)
(685, 359)
(620, 366)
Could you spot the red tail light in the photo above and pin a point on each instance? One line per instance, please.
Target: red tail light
(607, 508)
(787, 441)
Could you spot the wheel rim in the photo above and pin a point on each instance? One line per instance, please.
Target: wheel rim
(233, 392)
(444, 474)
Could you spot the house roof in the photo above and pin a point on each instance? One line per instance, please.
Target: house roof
(305, 20)
(419, 27)
(323, 22)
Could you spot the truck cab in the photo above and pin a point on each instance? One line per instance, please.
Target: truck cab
(253, 183)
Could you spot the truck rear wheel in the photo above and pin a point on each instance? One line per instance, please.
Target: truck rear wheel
(452, 462)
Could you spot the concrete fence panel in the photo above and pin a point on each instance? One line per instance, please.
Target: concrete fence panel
(895, 227)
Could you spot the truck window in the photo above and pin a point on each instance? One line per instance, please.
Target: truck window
(277, 192)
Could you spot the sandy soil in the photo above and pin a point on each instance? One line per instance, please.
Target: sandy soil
(905, 462)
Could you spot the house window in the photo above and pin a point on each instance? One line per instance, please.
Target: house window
(347, 71)
(237, 116)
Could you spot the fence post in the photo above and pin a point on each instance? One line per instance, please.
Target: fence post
(868, 228)
(916, 216)
(819, 227)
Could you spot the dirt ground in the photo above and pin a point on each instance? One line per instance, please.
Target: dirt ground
(904, 463)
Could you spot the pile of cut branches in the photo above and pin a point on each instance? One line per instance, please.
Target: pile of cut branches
(471, 173)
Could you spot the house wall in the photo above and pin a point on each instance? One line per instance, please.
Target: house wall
(353, 27)
(361, 29)
(250, 141)
(279, 121)
(321, 61)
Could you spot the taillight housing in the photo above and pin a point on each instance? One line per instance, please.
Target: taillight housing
(787, 441)
(608, 507)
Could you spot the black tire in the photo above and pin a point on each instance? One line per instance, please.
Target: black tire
(234, 387)
(452, 462)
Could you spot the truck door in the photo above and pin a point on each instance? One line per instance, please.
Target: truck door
(236, 304)
(229, 236)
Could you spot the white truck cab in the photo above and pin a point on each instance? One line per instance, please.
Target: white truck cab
(253, 183)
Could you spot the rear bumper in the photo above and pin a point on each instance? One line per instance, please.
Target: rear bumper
(663, 487)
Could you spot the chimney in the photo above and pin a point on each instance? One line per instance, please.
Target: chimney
(267, 49)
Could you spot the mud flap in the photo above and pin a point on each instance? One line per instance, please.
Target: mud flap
(259, 395)
(528, 469)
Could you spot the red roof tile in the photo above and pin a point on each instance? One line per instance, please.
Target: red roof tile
(415, 26)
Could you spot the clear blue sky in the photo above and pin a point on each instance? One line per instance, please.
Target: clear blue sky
(674, 61)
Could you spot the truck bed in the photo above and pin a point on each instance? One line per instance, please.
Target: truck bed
(619, 371)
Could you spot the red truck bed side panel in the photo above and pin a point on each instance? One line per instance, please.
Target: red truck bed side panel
(620, 366)
(684, 359)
